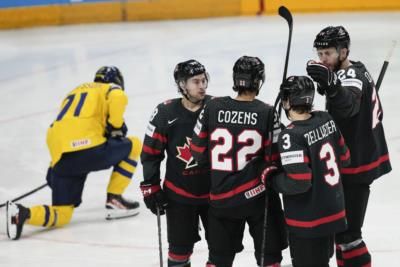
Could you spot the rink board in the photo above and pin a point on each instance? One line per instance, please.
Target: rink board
(30, 13)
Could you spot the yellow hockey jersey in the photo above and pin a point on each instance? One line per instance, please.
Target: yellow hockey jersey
(82, 118)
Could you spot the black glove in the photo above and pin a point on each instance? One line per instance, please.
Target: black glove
(267, 174)
(154, 197)
(328, 81)
(112, 132)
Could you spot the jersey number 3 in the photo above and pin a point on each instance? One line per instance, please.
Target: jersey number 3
(220, 156)
(328, 155)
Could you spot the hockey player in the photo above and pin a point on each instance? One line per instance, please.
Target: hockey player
(353, 102)
(87, 135)
(184, 196)
(312, 151)
(231, 137)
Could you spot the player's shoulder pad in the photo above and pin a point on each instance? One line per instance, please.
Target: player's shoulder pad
(168, 104)
(207, 98)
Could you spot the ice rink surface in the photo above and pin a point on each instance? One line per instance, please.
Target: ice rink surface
(40, 66)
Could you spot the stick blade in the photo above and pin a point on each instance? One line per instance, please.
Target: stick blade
(285, 13)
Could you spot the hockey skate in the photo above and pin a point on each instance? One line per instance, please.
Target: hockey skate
(16, 216)
(118, 207)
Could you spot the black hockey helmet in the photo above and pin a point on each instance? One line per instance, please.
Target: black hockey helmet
(298, 90)
(109, 74)
(248, 74)
(186, 70)
(332, 36)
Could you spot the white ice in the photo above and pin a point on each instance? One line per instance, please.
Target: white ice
(39, 66)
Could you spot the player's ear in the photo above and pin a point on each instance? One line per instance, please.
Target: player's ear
(343, 53)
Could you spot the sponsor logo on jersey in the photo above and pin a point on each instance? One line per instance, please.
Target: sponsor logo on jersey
(255, 191)
(150, 130)
(79, 143)
(292, 157)
(185, 155)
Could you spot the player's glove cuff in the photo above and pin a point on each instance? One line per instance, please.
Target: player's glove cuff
(267, 174)
(154, 197)
(149, 189)
(112, 132)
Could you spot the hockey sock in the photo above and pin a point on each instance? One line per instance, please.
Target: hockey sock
(123, 172)
(355, 254)
(50, 216)
(339, 256)
(175, 260)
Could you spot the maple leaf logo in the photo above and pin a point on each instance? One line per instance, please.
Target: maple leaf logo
(185, 155)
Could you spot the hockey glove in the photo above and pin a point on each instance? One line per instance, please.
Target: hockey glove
(112, 132)
(154, 197)
(267, 174)
(328, 81)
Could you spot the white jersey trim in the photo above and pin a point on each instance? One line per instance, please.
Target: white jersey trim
(353, 83)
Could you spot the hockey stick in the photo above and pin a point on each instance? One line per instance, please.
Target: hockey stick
(284, 13)
(159, 236)
(385, 65)
(26, 194)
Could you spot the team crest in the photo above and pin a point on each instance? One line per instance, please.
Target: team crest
(185, 155)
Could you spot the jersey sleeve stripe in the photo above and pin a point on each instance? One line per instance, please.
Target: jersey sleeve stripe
(267, 142)
(352, 83)
(160, 137)
(366, 167)
(236, 190)
(182, 192)
(150, 150)
(198, 149)
(314, 223)
(300, 176)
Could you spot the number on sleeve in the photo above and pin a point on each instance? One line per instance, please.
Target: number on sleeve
(286, 141)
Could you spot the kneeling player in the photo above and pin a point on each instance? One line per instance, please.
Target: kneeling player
(87, 135)
(312, 152)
